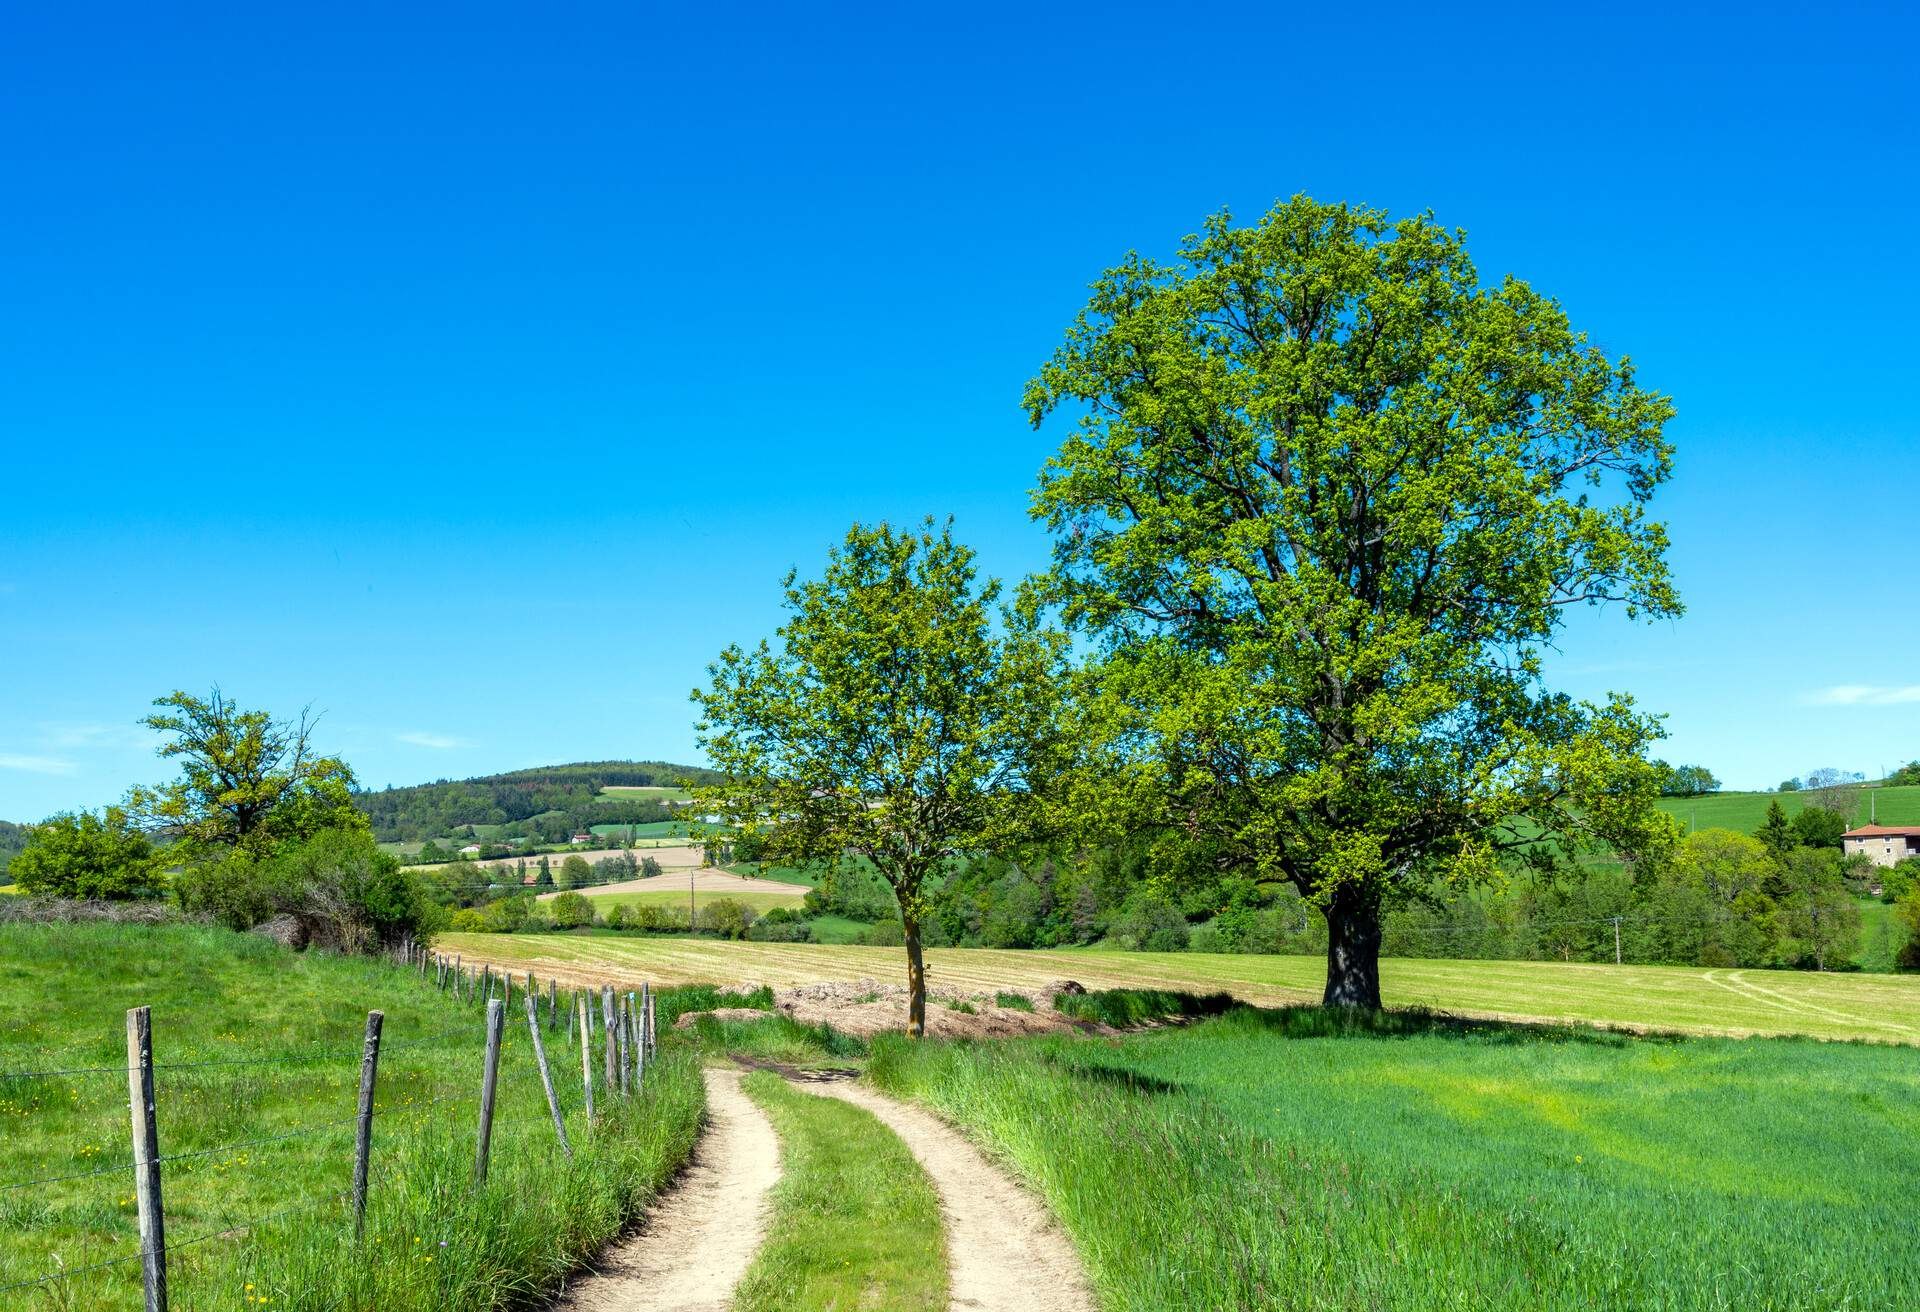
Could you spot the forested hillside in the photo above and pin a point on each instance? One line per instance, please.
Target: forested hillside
(548, 803)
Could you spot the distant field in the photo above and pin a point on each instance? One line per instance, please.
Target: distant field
(760, 902)
(1744, 812)
(622, 792)
(674, 829)
(1851, 1006)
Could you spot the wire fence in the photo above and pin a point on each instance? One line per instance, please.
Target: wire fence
(613, 1034)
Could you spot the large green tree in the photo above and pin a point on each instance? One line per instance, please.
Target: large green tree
(248, 782)
(1328, 498)
(899, 714)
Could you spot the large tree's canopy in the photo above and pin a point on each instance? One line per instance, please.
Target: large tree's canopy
(1329, 498)
(247, 781)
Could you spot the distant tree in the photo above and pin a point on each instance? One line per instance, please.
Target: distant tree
(1816, 826)
(247, 781)
(1831, 777)
(78, 854)
(1788, 786)
(571, 911)
(544, 876)
(894, 719)
(574, 872)
(649, 867)
(616, 917)
(727, 917)
(1326, 498)
(1776, 832)
(1820, 921)
(1688, 780)
(1906, 776)
(431, 853)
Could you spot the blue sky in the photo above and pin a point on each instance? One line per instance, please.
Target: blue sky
(474, 375)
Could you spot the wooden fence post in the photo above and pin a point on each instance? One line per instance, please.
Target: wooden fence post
(607, 1033)
(546, 1077)
(621, 1046)
(363, 1132)
(553, 1004)
(489, 1078)
(586, 1057)
(146, 1157)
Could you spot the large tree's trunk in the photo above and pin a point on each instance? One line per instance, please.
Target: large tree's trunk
(1353, 950)
(916, 981)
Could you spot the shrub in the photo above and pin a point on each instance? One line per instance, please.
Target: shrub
(789, 930)
(616, 917)
(1149, 924)
(1121, 1007)
(346, 892)
(81, 855)
(726, 917)
(468, 921)
(885, 934)
(1013, 1001)
(570, 911)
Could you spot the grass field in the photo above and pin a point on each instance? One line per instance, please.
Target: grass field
(1744, 812)
(636, 792)
(856, 1223)
(258, 1052)
(1269, 1160)
(1844, 1006)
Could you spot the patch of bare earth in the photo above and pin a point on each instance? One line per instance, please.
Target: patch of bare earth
(867, 1007)
(701, 1237)
(1005, 1253)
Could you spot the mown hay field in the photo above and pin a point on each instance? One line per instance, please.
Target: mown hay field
(1684, 999)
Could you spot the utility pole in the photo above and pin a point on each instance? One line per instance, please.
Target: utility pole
(690, 874)
(1616, 940)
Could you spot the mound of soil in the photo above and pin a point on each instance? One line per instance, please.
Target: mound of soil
(868, 1007)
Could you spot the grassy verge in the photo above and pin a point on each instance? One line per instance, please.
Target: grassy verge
(1290, 1158)
(259, 1057)
(856, 1222)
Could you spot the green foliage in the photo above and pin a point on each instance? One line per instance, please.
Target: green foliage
(1403, 1163)
(248, 783)
(616, 917)
(1776, 832)
(1686, 780)
(1328, 500)
(889, 719)
(1908, 774)
(575, 872)
(1815, 826)
(346, 892)
(727, 917)
(80, 854)
(1148, 923)
(672, 1003)
(571, 911)
(1013, 1001)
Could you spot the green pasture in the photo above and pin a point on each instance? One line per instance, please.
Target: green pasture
(1281, 1159)
(1744, 812)
(258, 1052)
(637, 792)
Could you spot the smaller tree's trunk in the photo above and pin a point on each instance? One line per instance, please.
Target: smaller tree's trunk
(916, 981)
(1353, 950)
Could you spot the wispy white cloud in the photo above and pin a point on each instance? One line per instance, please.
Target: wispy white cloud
(35, 764)
(81, 734)
(1865, 694)
(437, 741)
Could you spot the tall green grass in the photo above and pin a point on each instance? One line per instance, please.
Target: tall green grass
(856, 1222)
(254, 1043)
(1305, 1160)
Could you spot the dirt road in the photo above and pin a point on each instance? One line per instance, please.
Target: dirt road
(702, 1237)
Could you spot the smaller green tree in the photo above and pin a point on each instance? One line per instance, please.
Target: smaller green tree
(571, 911)
(649, 867)
(1776, 831)
(78, 854)
(574, 873)
(891, 720)
(1815, 826)
(1819, 921)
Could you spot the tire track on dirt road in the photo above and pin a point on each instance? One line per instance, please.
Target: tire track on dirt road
(701, 1237)
(1005, 1253)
